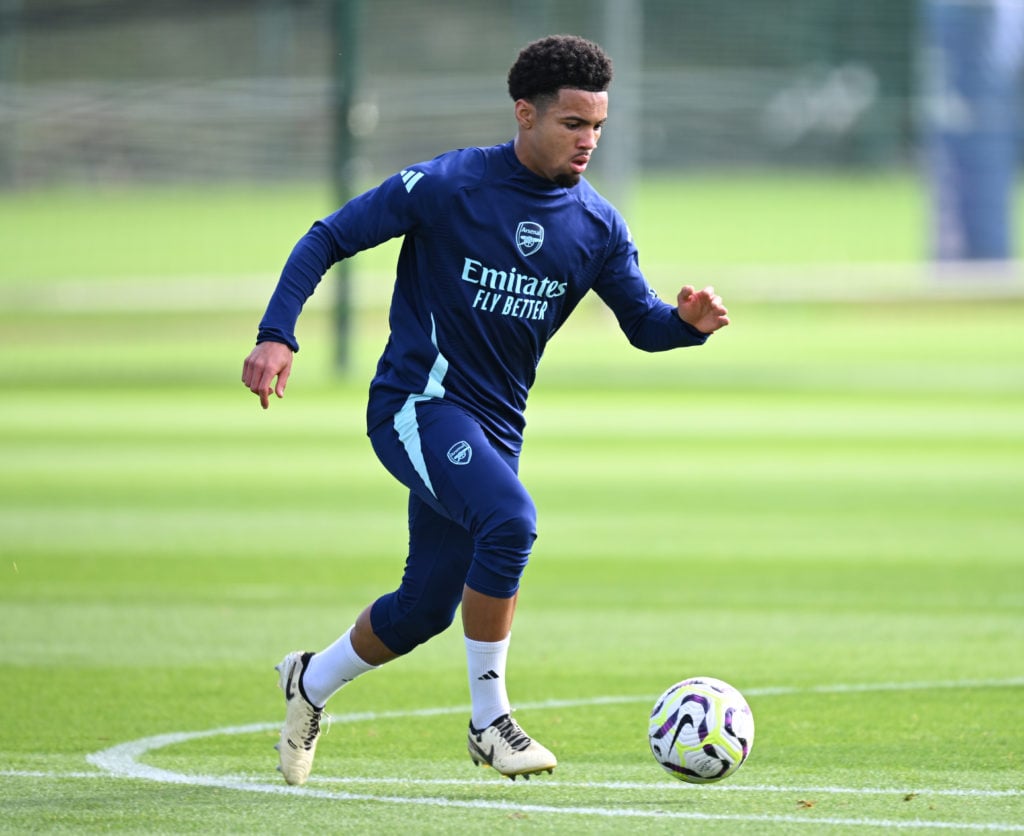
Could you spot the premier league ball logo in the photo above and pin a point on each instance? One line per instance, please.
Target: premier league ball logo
(529, 237)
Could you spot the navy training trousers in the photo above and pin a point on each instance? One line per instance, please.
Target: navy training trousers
(471, 521)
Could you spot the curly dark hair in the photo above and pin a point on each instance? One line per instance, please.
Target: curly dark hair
(546, 66)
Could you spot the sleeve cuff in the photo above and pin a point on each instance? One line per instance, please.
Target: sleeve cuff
(272, 335)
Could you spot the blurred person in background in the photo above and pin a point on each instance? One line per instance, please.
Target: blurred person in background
(500, 244)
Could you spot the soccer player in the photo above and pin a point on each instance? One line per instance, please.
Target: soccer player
(500, 245)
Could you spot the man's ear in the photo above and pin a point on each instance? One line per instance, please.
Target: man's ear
(526, 114)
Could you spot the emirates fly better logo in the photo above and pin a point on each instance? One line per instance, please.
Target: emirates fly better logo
(529, 237)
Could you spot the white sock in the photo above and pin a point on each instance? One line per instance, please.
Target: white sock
(331, 669)
(486, 664)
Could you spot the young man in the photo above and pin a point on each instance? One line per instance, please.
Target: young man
(500, 245)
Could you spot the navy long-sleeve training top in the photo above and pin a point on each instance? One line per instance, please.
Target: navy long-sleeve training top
(494, 260)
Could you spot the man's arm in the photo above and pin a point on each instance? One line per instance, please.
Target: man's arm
(650, 323)
(363, 222)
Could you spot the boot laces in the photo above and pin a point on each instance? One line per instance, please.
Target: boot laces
(315, 717)
(510, 732)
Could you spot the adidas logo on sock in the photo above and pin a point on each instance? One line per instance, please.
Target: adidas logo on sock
(488, 675)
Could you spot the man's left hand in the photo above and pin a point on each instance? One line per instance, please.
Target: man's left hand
(703, 309)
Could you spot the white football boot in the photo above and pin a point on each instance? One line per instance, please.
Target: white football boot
(509, 749)
(301, 723)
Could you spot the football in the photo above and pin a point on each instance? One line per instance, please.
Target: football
(701, 730)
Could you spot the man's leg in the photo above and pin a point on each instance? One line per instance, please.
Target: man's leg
(446, 458)
(440, 552)
(486, 618)
(472, 525)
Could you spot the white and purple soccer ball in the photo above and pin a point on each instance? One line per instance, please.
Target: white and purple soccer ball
(701, 730)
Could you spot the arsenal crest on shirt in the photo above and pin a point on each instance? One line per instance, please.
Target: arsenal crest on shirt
(529, 237)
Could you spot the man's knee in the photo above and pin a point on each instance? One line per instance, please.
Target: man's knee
(403, 625)
(512, 536)
(502, 552)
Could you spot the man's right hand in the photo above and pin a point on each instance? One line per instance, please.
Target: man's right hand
(265, 362)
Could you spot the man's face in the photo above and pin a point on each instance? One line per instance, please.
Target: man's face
(555, 141)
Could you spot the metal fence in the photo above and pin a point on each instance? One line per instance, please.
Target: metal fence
(109, 90)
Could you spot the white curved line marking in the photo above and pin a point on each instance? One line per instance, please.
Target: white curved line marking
(122, 761)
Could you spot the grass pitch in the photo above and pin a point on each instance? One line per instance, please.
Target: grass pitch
(821, 506)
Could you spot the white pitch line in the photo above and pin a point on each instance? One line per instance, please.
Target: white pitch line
(546, 783)
(122, 761)
(35, 773)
